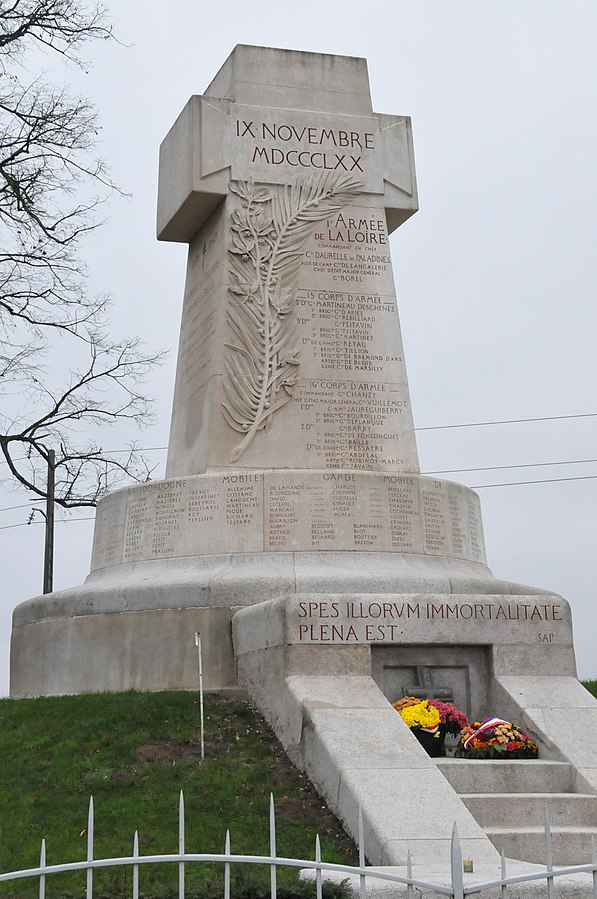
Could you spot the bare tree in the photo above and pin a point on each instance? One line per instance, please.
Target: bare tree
(52, 188)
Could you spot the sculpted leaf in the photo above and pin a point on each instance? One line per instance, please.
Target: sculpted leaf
(268, 236)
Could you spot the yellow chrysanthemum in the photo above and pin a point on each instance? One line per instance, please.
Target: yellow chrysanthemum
(420, 715)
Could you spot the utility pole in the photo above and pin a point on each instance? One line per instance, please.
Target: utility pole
(49, 516)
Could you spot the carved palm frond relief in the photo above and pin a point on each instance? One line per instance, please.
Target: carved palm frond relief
(268, 231)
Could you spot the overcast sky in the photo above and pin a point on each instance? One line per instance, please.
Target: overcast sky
(495, 274)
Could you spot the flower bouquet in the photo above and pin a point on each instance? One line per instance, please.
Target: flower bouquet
(452, 720)
(424, 721)
(494, 738)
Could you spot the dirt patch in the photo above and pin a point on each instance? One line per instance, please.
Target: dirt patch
(312, 807)
(125, 778)
(279, 773)
(289, 809)
(168, 752)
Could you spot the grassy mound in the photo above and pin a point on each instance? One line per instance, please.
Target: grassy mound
(134, 753)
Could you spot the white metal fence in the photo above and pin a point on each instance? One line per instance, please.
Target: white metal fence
(455, 889)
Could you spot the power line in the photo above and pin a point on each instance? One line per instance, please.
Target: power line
(508, 421)
(434, 471)
(469, 424)
(588, 477)
(142, 449)
(24, 506)
(504, 467)
(24, 524)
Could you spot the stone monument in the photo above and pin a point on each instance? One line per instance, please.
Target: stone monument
(294, 529)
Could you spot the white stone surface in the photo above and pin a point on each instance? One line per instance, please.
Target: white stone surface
(350, 407)
(562, 713)
(356, 749)
(339, 740)
(555, 693)
(342, 81)
(149, 650)
(571, 845)
(246, 511)
(350, 619)
(528, 809)
(289, 280)
(519, 776)
(216, 138)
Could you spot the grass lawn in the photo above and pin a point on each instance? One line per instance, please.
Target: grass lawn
(134, 752)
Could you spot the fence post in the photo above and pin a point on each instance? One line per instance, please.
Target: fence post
(272, 846)
(457, 883)
(363, 878)
(42, 864)
(503, 873)
(318, 878)
(227, 867)
(136, 867)
(201, 719)
(548, 852)
(181, 846)
(89, 890)
(409, 873)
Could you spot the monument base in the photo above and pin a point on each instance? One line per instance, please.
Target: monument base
(181, 555)
(132, 626)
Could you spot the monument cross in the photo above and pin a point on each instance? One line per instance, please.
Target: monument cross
(281, 178)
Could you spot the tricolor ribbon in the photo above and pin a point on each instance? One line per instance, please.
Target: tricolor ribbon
(487, 725)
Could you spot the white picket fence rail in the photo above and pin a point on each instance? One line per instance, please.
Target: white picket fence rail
(456, 889)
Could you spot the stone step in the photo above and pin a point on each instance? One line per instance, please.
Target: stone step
(519, 776)
(505, 809)
(570, 845)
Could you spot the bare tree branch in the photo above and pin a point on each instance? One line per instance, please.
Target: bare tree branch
(52, 189)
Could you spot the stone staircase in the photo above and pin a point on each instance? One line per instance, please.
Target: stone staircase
(508, 800)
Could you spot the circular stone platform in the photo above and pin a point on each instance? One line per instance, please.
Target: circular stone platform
(182, 555)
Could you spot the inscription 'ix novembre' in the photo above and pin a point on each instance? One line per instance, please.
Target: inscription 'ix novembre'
(327, 138)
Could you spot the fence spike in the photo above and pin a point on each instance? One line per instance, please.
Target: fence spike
(362, 877)
(136, 867)
(43, 870)
(548, 852)
(272, 846)
(318, 877)
(181, 845)
(504, 888)
(227, 867)
(456, 864)
(42, 864)
(90, 817)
